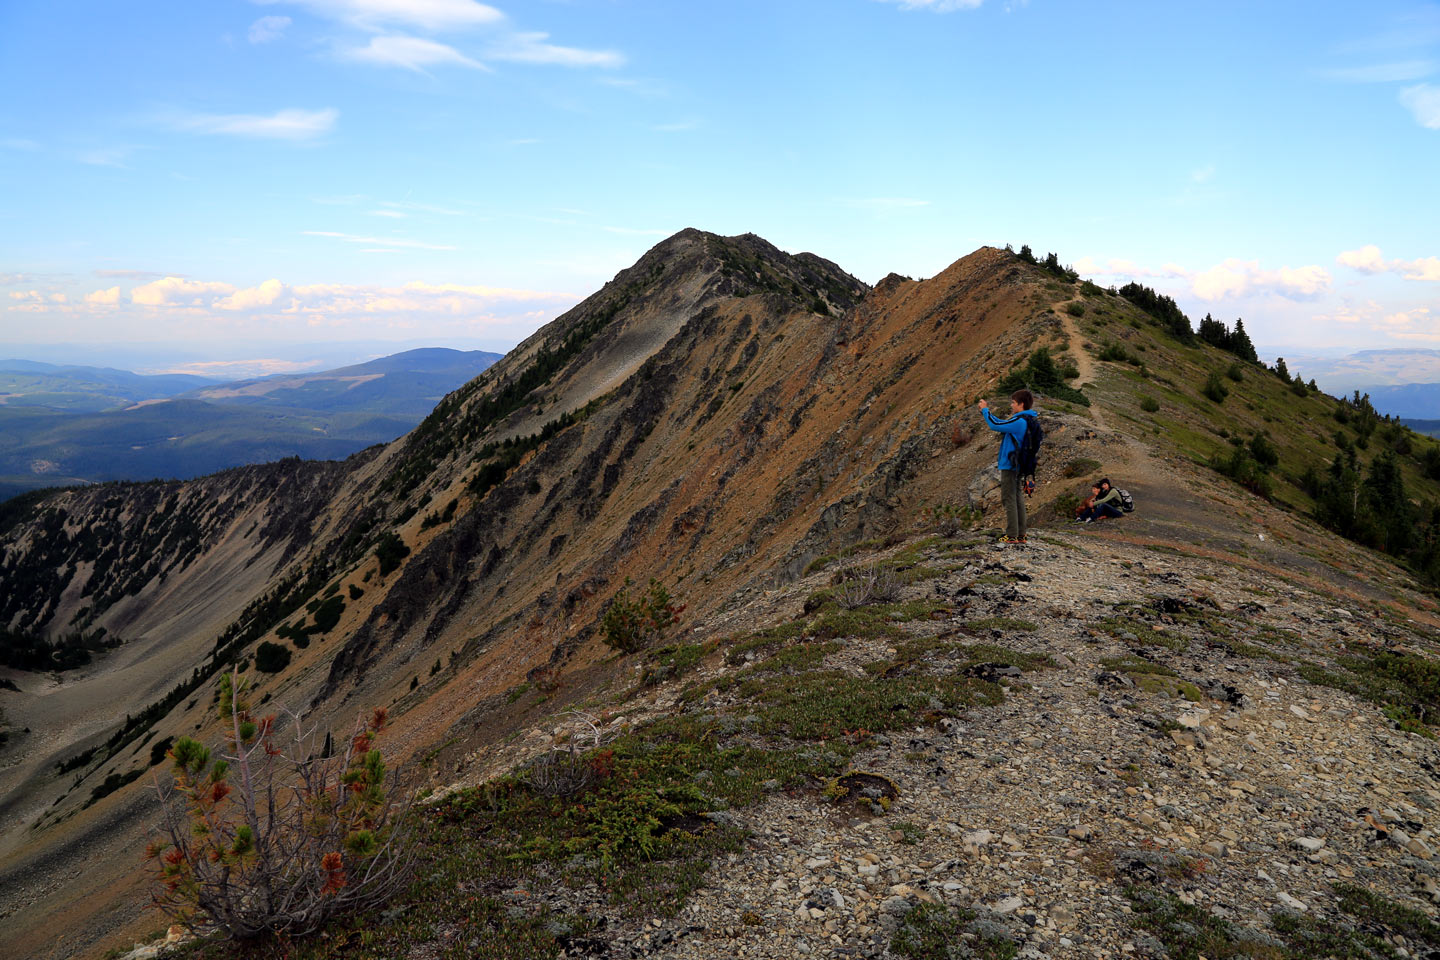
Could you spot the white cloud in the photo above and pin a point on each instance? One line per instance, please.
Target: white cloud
(679, 127)
(290, 124)
(104, 296)
(385, 242)
(937, 6)
(172, 291)
(533, 48)
(393, 214)
(1203, 174)
(1404, 319)
(1383, 72)
(267, 29)
(1369, 259)
(411, 53)
(251, 297)
(1423, 101)
(633, 232)
(1237, 278)
(19, 143)
(427, 14)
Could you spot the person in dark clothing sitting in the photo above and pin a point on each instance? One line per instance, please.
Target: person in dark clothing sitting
(1104, 503)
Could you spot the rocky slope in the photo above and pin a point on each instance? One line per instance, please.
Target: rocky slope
(732, 420)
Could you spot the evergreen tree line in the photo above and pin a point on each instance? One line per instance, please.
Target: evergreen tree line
(1370, 504)
(1051, 263)
(24, 651)
(1237, 341)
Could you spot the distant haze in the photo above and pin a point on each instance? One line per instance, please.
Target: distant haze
(230, 360)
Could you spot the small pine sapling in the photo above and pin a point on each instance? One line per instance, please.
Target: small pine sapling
(262, 838)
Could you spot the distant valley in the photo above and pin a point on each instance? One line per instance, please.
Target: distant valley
(69, 425)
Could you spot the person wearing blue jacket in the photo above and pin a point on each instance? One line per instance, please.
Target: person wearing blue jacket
(1012, 431)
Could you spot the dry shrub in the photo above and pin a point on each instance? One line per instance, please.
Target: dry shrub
(570, 768)
(866, 585)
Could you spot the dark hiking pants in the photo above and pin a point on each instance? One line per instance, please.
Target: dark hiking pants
(1013, 496)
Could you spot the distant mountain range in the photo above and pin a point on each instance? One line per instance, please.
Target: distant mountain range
(67, 425)
(1402, 383)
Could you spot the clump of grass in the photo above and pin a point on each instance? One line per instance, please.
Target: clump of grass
(672, 661)
(1188, 932)
(1143, 633)
(1405, 685)
(1007, 624)
(933, 931)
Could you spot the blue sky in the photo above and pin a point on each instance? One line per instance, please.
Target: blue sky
(234, 175)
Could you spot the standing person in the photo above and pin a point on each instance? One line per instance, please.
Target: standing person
(1012, 432)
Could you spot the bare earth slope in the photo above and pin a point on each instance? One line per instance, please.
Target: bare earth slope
(737, 421)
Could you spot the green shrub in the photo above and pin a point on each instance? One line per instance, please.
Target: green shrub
(390, 550)
(631, 624)
(1235, 372)
(1043, 376)
(327, 615)
(1214, 389)
(1075, 309)
(271, 657)
(1149, 404)
(1115, 353)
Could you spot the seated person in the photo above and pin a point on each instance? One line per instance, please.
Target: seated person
(1103, 503)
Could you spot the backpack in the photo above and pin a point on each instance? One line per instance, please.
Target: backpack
(1027, 457)
(1127, 502)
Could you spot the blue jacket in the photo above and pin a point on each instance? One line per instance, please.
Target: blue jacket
(1012, 431)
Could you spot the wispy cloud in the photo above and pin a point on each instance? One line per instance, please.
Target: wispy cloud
(884, 204)
(126, 274)
(1383, 72)
(1369, 260)
(426, 14)
(411, 53)
(393, 214)
(639, 86)
(936, 6)
(290, 124)
(634, 232)
(19, 143)
(1114, 267)
(679, 126)
(1423, 102)
(267, 29)
(395, 243)
(421, 207)
(241, 369)
(106, 156)
(534, 48)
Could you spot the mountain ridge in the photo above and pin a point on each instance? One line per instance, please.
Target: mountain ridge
(722, 416)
